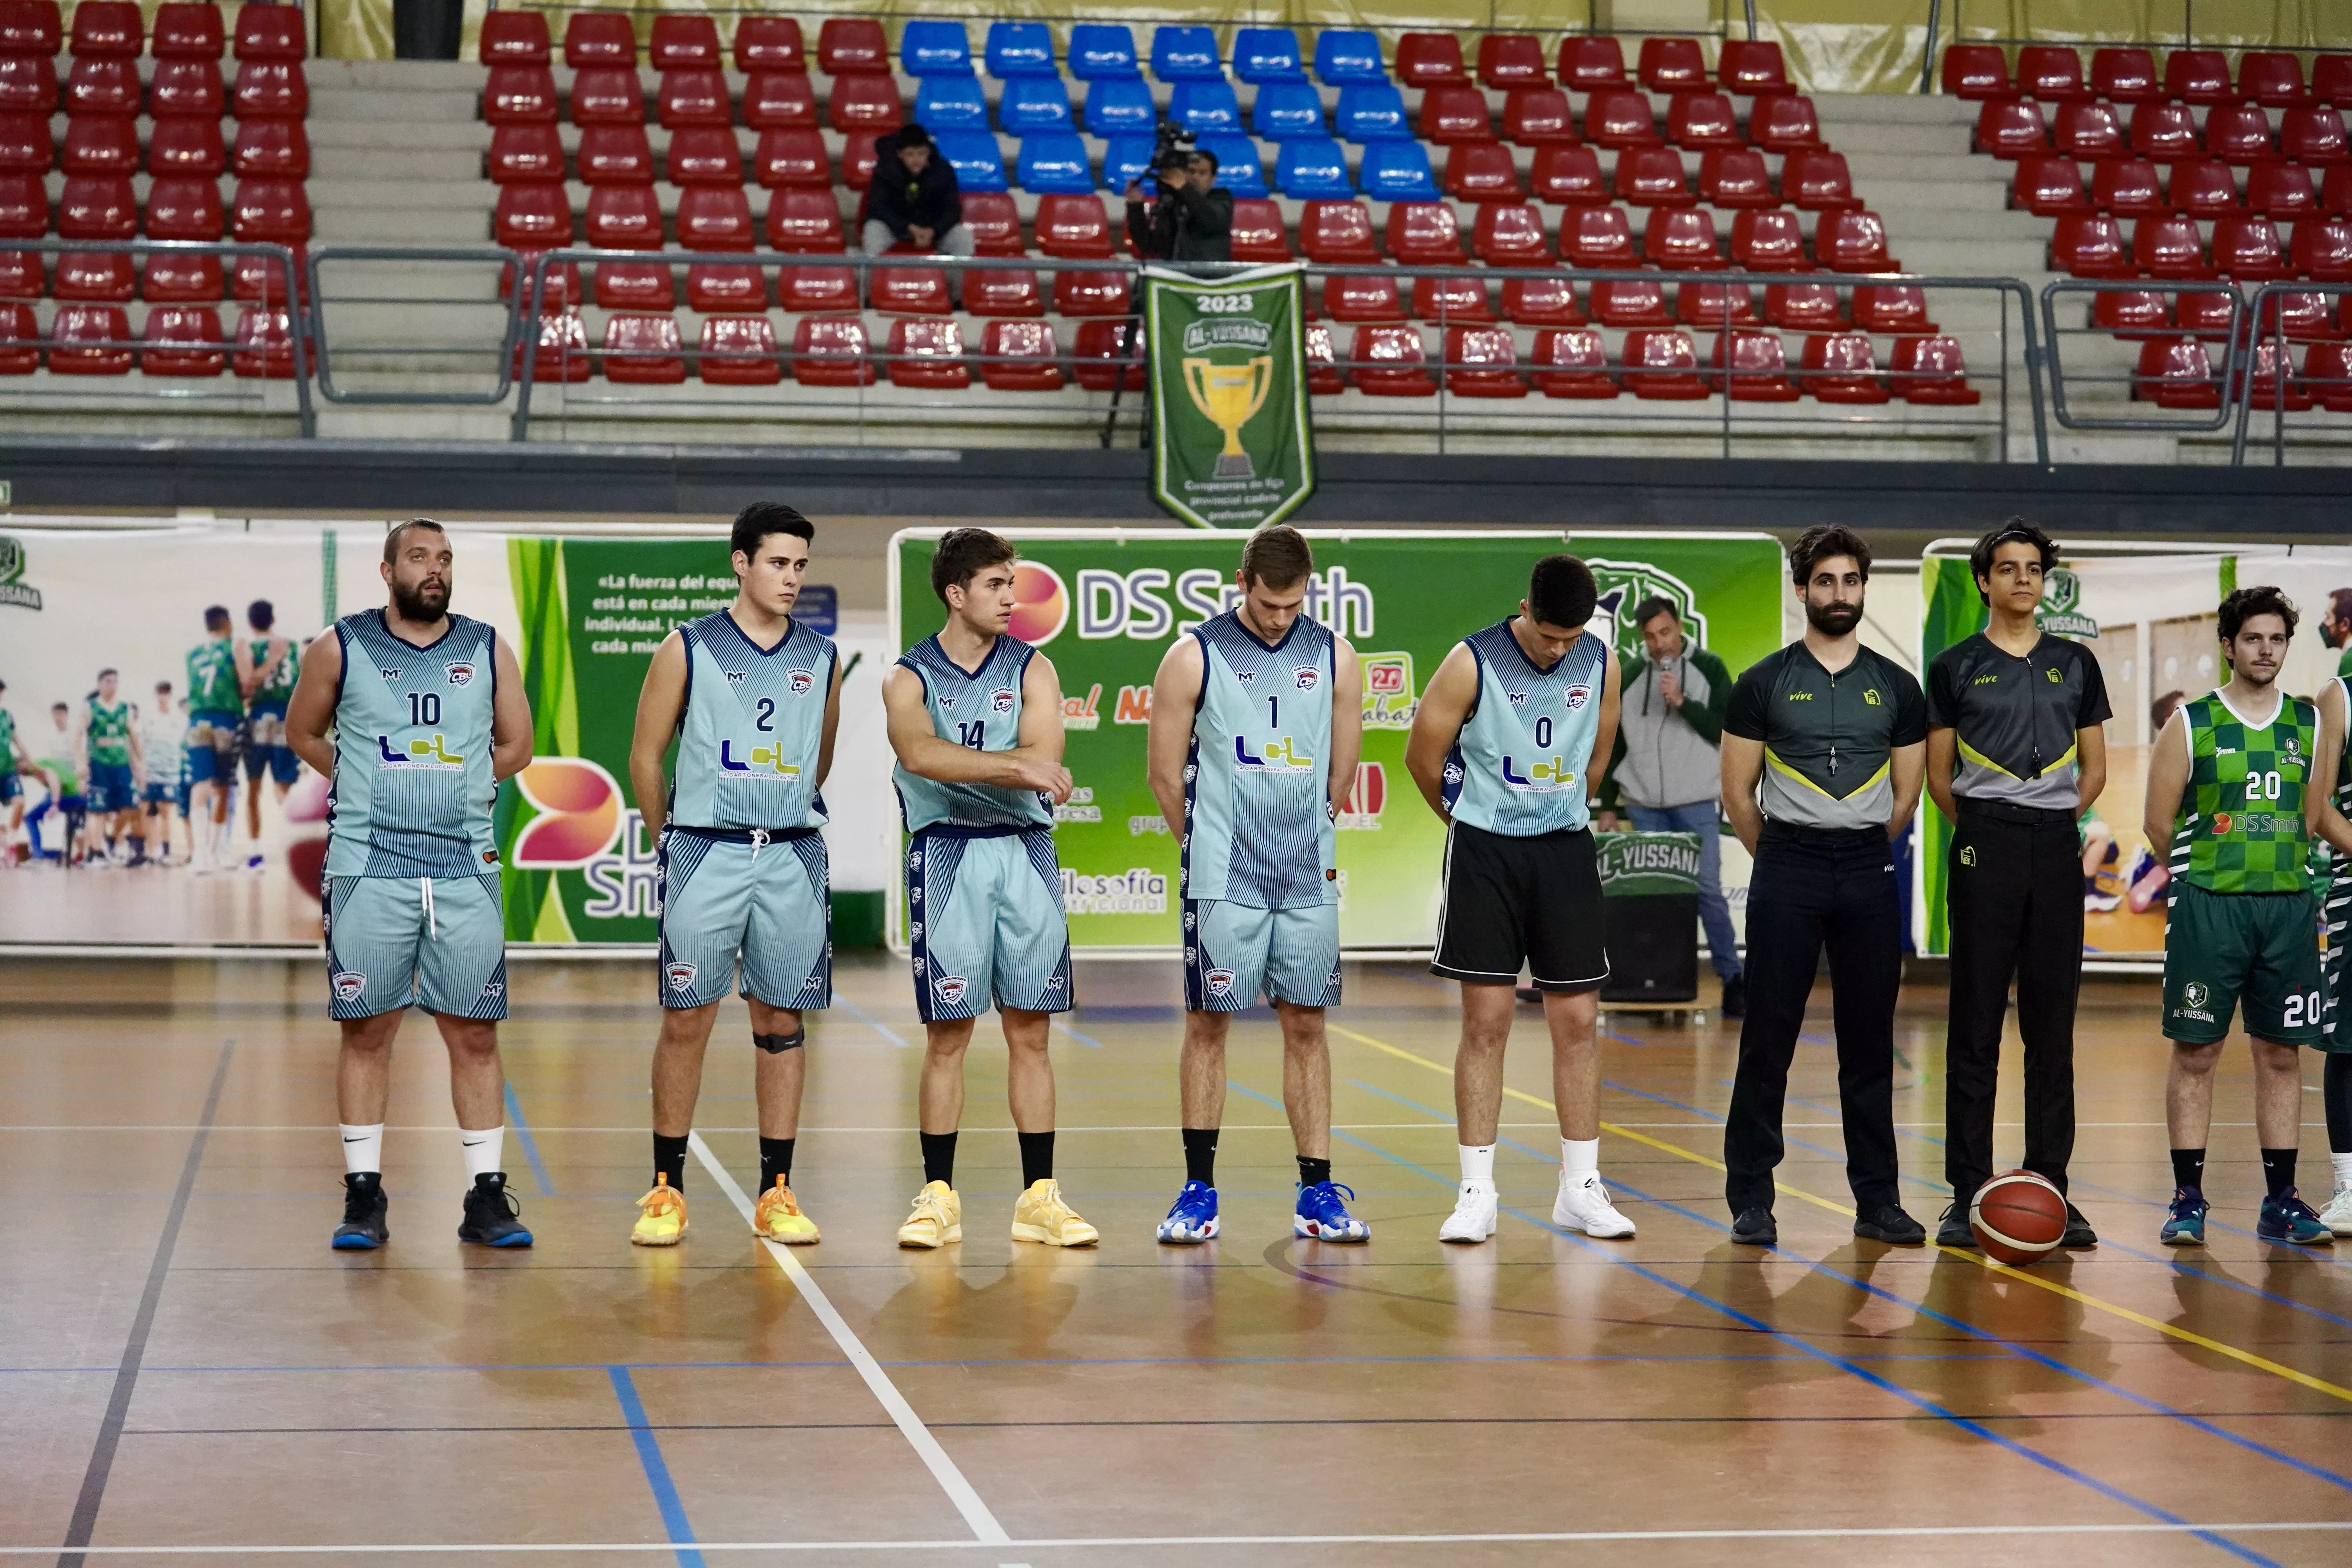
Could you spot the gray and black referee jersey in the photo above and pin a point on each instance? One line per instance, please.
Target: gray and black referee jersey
(2013, 888)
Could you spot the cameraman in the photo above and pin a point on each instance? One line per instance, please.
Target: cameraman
(1192, 218)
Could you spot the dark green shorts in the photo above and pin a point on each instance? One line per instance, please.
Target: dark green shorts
(2225, 949)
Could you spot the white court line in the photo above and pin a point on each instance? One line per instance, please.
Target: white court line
(926, 1447)
(1529, 1537)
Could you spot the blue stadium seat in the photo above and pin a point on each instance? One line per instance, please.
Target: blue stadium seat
(935, 49)
(950, 104)
(1120, 106)
(1373, 111)
(1313, 168)
(1347, 55)
(1033, 103)
(1287, 109)
(979, 166)
(1262, 55)
(1099, 51)
(1054, 163)
(1185, 54)
(1125, 160)
(1240, 169)
(1397, 172)
(1018, 49)
(1204, 107)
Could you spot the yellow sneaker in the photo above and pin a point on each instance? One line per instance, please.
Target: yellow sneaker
(779, 1217)
(662, 1217)
(937, 1219)
(1040, 1215)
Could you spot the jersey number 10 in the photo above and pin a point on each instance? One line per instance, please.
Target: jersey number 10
(424, 708)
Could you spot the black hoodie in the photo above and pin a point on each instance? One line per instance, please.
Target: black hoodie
(902, 200)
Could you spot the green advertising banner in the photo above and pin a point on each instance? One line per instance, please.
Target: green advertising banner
(1105, 605)
(1231, 444)
(1648, 865)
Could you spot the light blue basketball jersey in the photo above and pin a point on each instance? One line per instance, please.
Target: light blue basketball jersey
(1255, 787)
(753, 724)
(1517, 768)
(413, 787)
(979, 709)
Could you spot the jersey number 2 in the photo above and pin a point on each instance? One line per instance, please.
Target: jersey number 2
(767, 711)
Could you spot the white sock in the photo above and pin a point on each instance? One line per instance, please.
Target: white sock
(362, 1147)
(2343, 1164)
(485, 1151)
(1477, 1164)
(1579, 1158)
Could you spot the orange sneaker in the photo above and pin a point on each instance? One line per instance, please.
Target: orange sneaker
(661, 1221)
(779, 1217)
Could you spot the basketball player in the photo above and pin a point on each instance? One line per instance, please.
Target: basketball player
(2017, 750)
(416, 715)
(14, 762)
(215, 723)
(110, 749)
(2336, 1025)
(162, 746)
(1501, 747)
(267, 668)
(1257, 719)
(975, 718)
(60, 773)
(752, 697)
(2235, 784)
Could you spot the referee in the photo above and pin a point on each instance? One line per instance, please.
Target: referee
(2015, 755)
(1823, 750)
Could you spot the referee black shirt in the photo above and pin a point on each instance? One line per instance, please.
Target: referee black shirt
(2013, 719)
(1828, 736)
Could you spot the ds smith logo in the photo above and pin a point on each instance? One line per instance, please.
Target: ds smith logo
(432, 753)
(765, 759)
(13, 590)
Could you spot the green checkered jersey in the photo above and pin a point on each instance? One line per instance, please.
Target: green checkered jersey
(110, 731)
(7, 743)
(2243, 828)
(279, 687)
(212, 679)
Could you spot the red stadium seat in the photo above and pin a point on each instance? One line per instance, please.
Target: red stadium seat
(2125, 75)
(1735, 178)
(739, 350)
(1620, 119)
(29, 28)
(2169, 245)
(1075, 228)
(2131, 312)
(1769, 242)
(1572, 364)
(1482, 362)
(625, 217)
(715, 287)
(770, 43)
(1336, 233)
(99, 277)
(1452, 114)
(2312, 133)
(1929, 370)
(2090, 246)
(2129, 187)
(1652, 177)
(1257, 234)
(1510, 234)
(2272, 77)
(2327, 376)
(1090, 293)
(1018, 356)
(1425, 233)
(1570, 176)
(780, 100)
(28, 85)
(1818, 183)
(2281, 190)
(1784, 124)
(1672, 65)
(1853, 242)
(594, 38)
(1592, 64)
(563, 287)
(2008, 128)
(1538, 116)
(1758, 368)
(2209, 315)
(24, 207)
(1751, 67)
(109, 28)
(1702, 119)
(995, 224)
(1483, 172)
(2199, 77)
(18, 325)
(910, 291)
(2322, 249)
(852, 46)
(929, 353)
(517, 95)
(2239, 133)
(2303, 317)
(1391, 361)
(1713, 305)
(98, 207)
(101, 84)
(704, 156)
(868, 103)
(2248, 249)
(1363, 296)
(272, 33)
(1976, 71)
(562, 352)
(607, 94)
(2165, 133)
(1429, 61)
(792, 158)
(2205, 188)
(1892, 309)
(715, 217)
(186, 208)
(1631, 304)
(693, 98)
(1840, 368)
(90, 340)
(533, 216)
(1599, 237)
(182, 341)
(1510, 59)
(1003, 293)
(1681, 240)
(509, 37)
(1544, 300)
(270, 89)
(687, 43)
(2177, 373)
(26, 147)
(1109, 356)
(2048, 185)
(100, 144)
(2331, 80)
(1663, 365)
(642, 351)
(2051, 72)
(2266, 381)
(1805, 308)
(2335, 191)
(270, 212)
(616, 156)
(279, 150)
(803, 289)
(635, 286)
(2088, 130)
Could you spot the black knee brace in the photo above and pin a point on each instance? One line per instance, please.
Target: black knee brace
(777, 1045)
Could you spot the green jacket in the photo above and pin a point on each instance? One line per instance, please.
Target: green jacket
(1667, 756)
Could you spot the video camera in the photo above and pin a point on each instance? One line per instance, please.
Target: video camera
(1171, 144)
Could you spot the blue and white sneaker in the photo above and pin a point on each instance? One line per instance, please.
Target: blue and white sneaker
(2185, 1225)
(2290, 1219)
(1193, 1218)
(1321, 1214)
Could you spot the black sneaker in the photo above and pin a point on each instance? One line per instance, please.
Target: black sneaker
(1892, 1226)
(490, 1214)
(1754, 1227)
(1954, 1231)
(1734, 997)
(2078, 1230)
(362, 1229)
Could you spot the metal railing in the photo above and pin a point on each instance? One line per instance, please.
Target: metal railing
(2266, 324)
(2061, 379)
(487, 256)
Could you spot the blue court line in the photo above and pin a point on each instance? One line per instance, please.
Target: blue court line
(1987, 1335)
(1846, 1365)
(1082, 1039)
(529, 1144)
(869, 1020)
(649, 1455)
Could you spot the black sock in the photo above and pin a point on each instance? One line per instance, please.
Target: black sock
(2336, 1091)
(1311, 1170)
(1036, 1157)
(938, 1157)
(2278, 1170)
(775, 1162)
(669, 1161)
(1200, 1153)
(2188, 1170)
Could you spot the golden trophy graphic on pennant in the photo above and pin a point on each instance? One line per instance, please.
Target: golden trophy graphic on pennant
(1229, 396)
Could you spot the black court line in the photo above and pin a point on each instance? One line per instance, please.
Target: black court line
(134, 1350)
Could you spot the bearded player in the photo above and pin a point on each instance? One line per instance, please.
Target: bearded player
(415, 715)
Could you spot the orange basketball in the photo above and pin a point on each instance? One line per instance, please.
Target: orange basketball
(2017, 1217)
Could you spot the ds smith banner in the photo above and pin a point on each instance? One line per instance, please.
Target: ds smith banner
(1231, 446)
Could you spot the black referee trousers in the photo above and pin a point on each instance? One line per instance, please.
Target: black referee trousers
(2014, 892)
(1812, 890)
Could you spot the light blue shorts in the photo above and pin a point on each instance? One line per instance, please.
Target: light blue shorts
(1231, 952)
(725, 897)
(436, 943)
(984, 912)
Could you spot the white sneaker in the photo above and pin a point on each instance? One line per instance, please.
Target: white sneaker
(2337, 1216)
(1586, 1207)
(1473, 1219)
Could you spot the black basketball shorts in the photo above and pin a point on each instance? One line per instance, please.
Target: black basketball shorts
(1513, 901)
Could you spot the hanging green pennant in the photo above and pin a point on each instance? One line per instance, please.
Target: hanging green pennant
(1231, 444)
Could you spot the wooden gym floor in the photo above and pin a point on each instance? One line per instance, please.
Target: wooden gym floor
(187, 1365)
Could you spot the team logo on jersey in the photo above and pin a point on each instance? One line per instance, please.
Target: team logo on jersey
(800, 681)
(579, 814)
(2287, 744)
(951, 988)
(1519, 699)
(1541, 778)
(769, 760)
(1220, 982)
(1001, 699)
(392, 677)
(350, 985)
(1279, 756)
(1578, 696)
(738, 677)
(1308, 676)
(461, 672)
(680, 975)
(1246, 677)
(947, 702)
(2193, 994)
(1870, 695)
(2222, 822)
(421, 753)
